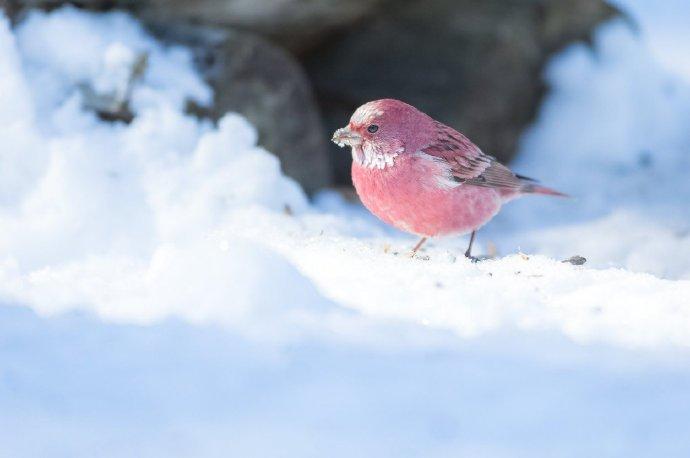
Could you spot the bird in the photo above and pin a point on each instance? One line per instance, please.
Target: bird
(424, 177)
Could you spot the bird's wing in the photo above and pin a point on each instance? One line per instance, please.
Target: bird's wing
(468, 164)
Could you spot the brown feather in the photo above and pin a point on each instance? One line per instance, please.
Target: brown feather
(469, 164)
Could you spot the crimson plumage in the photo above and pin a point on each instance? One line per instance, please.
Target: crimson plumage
(422, 176)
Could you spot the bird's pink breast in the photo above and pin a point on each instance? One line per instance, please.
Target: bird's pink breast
(411, 196)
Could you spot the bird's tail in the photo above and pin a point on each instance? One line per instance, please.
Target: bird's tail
(530, 186)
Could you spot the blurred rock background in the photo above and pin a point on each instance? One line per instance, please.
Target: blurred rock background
(298, 68)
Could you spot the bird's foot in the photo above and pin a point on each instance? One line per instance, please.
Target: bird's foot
(476, 259)
(417, 255)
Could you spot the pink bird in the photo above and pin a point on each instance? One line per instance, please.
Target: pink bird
(424, 177)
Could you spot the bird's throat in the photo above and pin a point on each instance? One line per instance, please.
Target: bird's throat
(371, 158)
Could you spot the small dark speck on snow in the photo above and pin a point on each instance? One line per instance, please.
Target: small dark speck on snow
(576, 260)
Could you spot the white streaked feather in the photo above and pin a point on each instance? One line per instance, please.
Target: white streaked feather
(366, 113)
(369, 156)
(444, 179)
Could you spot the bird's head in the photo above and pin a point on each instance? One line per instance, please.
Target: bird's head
(385, 127)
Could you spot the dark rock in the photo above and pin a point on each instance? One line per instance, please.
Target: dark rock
(473, 65)
(96, 5)
(295, 24)
(264, 83)
(7, 7)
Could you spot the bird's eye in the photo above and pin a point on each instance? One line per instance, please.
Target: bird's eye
(373, 128)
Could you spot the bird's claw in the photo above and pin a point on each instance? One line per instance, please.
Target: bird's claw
(476, 259)
(413, 255)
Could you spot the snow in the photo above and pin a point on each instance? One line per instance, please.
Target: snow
(621, 150)
(166, 291)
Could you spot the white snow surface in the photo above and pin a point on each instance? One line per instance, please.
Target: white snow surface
(166, 291)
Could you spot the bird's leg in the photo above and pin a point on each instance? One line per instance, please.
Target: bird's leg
(417, 247)
(468, 253)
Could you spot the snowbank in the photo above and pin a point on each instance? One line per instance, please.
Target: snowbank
(75, 386)
(141, 221)
(613, 134)
(117, 218)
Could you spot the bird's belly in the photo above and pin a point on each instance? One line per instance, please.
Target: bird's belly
(415, 202)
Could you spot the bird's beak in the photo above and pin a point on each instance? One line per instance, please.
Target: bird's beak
(345, 136)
